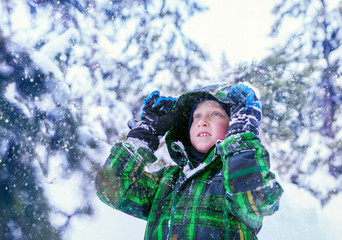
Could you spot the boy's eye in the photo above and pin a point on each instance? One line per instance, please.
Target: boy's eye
(197, 115)
(216, 114)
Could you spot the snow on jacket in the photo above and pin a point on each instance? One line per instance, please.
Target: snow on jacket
(182, 202)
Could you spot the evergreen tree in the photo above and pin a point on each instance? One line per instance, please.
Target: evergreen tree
(71, 74)
(300, 85)
(24, 210)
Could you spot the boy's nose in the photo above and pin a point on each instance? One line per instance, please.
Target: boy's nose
(203, 122)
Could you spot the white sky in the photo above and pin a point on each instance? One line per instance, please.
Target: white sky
(237, 27)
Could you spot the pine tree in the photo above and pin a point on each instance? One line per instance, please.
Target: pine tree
(24, 210)
(69, 83)
(300, 85)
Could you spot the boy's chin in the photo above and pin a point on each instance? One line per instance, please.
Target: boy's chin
(203, 149)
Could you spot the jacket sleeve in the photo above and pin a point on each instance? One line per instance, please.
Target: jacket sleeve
(123, 183)
(251, 189)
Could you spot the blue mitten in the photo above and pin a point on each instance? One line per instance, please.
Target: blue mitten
(245, 111)
(156, 119)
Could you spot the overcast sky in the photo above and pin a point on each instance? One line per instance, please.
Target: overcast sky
(237, 27)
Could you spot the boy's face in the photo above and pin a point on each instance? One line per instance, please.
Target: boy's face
(210, 123)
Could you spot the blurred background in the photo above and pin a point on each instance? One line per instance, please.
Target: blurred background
(73, 72)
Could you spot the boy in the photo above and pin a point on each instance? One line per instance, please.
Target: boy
(221, 186)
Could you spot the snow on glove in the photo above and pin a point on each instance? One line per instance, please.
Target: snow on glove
(245, 111)
(156, 119)
(154, 112)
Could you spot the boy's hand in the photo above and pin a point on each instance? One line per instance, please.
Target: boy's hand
(154, 112)
(245, 111)
(156, 119)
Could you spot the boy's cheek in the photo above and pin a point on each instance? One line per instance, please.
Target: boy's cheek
(221, 131)
(192, 133)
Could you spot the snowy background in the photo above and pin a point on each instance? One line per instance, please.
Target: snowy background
(77, 74)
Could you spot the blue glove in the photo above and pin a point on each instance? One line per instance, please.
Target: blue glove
(156, 119)
(245, 111)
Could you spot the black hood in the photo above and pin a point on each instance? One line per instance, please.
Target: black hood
(183, 107)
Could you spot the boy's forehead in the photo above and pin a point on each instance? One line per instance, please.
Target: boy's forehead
(208, 104)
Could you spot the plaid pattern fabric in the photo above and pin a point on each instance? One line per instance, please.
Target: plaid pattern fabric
(212, 201)
(250, 185)
(219, 91)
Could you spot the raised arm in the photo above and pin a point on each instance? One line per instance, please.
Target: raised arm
(123, 183)
(252, 191)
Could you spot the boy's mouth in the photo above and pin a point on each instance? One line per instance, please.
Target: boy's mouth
(203, 134)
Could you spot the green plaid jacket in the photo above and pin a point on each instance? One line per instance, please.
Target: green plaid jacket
(225, 197)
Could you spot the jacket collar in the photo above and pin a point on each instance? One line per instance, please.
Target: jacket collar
(180, 157)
